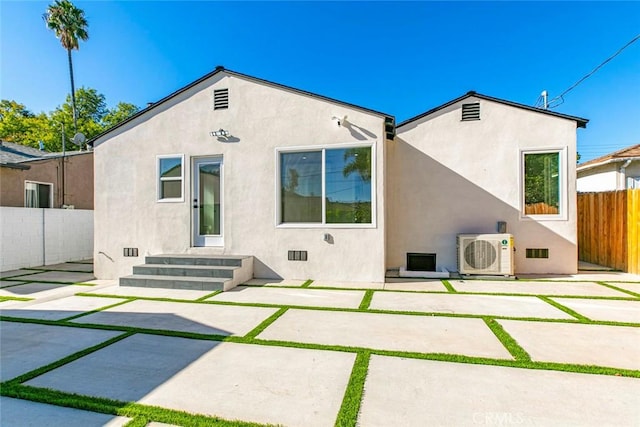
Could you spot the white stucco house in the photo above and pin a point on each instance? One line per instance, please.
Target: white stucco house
(619, 170)
(315, 188)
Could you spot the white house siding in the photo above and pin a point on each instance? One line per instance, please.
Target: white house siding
(601, 178)
(446, 176)
(263, 118)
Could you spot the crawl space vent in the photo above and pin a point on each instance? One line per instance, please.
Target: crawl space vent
(537, 253)
(220, 99)
(471, 111)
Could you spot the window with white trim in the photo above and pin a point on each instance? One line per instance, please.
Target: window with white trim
(543, 184)
(326, 186)
(170, 178)
(38, 194)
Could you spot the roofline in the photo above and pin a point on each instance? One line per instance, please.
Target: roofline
(587, 166)
(580, 122)
(14, 166)
(221, 69)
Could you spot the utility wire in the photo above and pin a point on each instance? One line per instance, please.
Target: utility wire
(560, 97)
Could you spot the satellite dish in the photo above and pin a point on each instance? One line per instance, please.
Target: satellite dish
(79, 139)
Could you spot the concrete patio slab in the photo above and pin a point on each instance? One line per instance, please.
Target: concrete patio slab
(16, 412)
(431, 285)
(301, 297)
(59, 276)
(70, 266)
(422, 334)
(410, 392)
(586, 276)
(535, 288)
(346, 285)
(185, 317)
(57, 309)
(599, 309)
(26, 346)
(41, 290)
(496, 305)
(14, 273)
(276, 282)
(296, 387)
(633, 287)
(132, 291)
(613, 346)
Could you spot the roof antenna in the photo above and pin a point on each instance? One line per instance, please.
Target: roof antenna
(545, 98)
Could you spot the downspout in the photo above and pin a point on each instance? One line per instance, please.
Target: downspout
(623, 175)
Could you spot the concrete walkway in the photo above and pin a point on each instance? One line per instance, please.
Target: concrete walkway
(426, 355)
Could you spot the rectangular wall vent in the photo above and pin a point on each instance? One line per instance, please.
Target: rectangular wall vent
(537, 253)
(220, 99)
(471, 111)
(130, 251)
(297, 255)
(421, 262)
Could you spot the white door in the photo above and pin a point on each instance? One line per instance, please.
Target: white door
(207, 202)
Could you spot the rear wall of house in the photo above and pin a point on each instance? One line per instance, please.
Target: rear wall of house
(261, 119)
(448, 176)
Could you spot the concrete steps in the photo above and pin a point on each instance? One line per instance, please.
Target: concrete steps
(201, 272)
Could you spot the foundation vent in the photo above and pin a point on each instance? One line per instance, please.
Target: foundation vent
(130, 252)
(220, 99)
(297, 255)
(537, 253)
(471, 111)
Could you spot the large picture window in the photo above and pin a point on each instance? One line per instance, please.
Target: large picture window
(37, 194)
(170, 178)
(326, 186)
(543, 183)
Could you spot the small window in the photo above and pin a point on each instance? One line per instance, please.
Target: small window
(220, 99)
(37, 195)
(326, 186)
(471, 111)
(543, 183)
(170, 178)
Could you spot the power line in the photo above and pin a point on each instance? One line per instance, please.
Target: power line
(561, 96)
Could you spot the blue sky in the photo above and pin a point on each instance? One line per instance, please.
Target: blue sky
(401, 58)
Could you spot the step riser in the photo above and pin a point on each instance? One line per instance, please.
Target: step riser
(182, 272)
(214, 262)
(172, 284)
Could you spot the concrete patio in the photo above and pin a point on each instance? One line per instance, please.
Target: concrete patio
(525, 352)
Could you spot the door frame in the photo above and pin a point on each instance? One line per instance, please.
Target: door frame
(198, 240)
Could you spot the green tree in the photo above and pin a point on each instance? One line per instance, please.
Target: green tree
(121, 112)
(13, 120)
(91, 108)
(70, 26)
(358, 160)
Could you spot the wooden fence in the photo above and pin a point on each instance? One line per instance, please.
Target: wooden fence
(609, 229)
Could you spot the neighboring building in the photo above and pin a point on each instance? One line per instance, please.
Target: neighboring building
(316, 188)
(615, 171)
(34, 178)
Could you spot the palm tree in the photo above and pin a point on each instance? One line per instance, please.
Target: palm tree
(359, 161)
(70, 25)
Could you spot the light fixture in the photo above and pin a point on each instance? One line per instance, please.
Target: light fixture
(220, 132)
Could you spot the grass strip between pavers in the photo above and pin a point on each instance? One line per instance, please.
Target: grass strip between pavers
(635, 294)
(120, 408)
(449, 286)
(68, 359)
(265, 323)
(97, 310)
(348, 414)
(8, 298)
(306, 284)
(366, 300)
(566, 309)
(212, 294)
(507, 340)
(137, 422)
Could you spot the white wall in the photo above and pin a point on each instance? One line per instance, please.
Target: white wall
(262, 118)
(601, 178)
(34, 237)
(446, 177)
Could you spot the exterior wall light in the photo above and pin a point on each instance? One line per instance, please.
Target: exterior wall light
(220, 132)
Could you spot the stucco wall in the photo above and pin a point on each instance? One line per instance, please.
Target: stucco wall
(261, 118)
(607, 177)
(78, 181)
(447, 176)
(34, 237)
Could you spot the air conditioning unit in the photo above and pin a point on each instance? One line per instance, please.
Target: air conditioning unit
(490, 254)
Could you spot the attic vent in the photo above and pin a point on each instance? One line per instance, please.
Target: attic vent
(471, 111)
(220, 99)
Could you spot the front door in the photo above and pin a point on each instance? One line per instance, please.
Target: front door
(207, 202)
